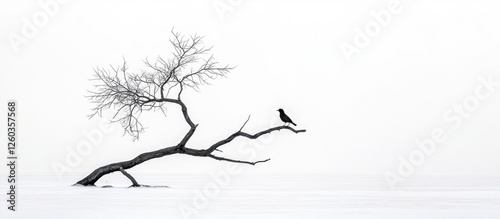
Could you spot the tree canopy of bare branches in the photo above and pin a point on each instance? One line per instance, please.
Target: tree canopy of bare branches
(128, 94)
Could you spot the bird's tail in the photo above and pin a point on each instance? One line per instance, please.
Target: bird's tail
(294, 124)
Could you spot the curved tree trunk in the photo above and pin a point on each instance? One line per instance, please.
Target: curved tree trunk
(101, 171)
(93, 177)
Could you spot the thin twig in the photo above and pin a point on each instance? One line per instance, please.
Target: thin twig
(245, 123)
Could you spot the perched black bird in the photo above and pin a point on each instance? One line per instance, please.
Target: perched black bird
(285, 118)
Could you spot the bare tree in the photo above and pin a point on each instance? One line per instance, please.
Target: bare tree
(163, 84)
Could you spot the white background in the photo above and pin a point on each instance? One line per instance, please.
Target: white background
(360, 116)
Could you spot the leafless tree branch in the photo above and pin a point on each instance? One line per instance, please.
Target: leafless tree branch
(244, 123)
(130, 177)
(237, 161)
(250, 136)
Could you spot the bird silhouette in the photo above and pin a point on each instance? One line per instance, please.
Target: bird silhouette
(285, 118)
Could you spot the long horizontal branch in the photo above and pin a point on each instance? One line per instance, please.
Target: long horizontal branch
(250, 136)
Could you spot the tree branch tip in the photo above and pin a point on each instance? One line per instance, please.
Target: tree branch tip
(261, 161)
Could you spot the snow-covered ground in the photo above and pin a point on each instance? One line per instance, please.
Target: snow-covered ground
(260, 196)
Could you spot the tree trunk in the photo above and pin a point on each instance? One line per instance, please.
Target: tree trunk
(101, 171)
